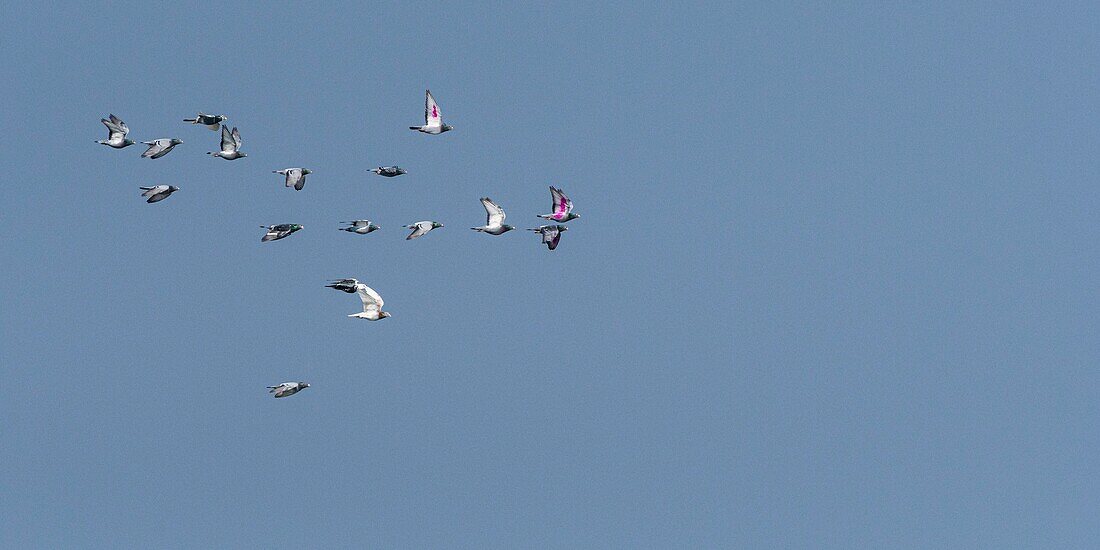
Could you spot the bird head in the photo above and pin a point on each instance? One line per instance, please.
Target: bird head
(563, 228)
(173, 188)
(373, 227)
(436, 224)
(384, 314)
(306, 171)
(127, 141)
(401, 171)
(304, 385)
(446, 128)
(176, 141)
(509, 227)
(295, 227)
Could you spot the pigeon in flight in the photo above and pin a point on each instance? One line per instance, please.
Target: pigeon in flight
(389, 171)
(433, 117)
(295, 177)
(361, 227)
(551, 234)
(281, 231)
(286, 389)
(494, 223)
(563, 207)
(158, 193)
(210, 121)
(231, 145)
(159, 147)
(420, 228)
(116, 133)
(372, 302)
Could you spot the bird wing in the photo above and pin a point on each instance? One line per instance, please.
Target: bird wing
(120, 125)
(551, 236)
(114, 131)
(562, 204)
(494, 213)
(155, 147)
(418, 230)
(432, 115)
(156, 189)
(360, 223)
(292, 177)
(228, 143)
(237, 138)
(371, 299)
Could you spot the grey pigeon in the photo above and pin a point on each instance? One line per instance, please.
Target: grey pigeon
(421, 228)
(295, 177)
(210, 121)
(433, 117)
(231, 145)
(494, 223)
(281, 231)
(389, 171)
(286, 389)
(361, 227)
(563, 207)
(159, 147)
(372, 302)
(551, 234)
(158, 193)
(116, 133)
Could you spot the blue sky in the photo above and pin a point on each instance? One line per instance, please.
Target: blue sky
(833, 285)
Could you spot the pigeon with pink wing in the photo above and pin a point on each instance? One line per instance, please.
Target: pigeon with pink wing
(433, 117)
(563, 207)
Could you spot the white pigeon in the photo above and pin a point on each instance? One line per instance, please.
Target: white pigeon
(361, 227)
(286, 389)
(372, 302)
(159, 147)
(433, 117)
(494, 223)
(231, 145)
(158, 193)
(295, 177)
(116, 133)
(421, 228)
(210, 121)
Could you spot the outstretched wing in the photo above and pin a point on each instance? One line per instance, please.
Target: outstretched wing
(562, 204)
(418, 230)
(360, 223)
(432, 115)
(228, 143)
(155, 190)
(237, 138)
(121, 125)
(371, 299)
(494, 213)
(116, 129)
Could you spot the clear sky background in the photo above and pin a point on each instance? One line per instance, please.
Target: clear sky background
(834, 284)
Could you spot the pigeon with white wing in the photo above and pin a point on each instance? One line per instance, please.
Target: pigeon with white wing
(231, 145)
(494, 223)
(281, 231)
(116, 133)
(372, 302)
(389, 171)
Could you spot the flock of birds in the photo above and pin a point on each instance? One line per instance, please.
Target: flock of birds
(561, 211)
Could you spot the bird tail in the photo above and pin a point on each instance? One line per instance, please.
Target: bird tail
(146, 188)
(477, 229)
(191, 120)
(414, 127)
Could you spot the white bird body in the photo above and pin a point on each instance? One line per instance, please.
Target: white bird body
(361, 227)
(433, 117)
(230, 146)
(494, 222)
